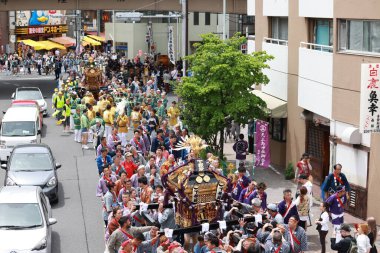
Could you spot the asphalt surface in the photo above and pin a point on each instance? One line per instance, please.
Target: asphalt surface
(78, 212)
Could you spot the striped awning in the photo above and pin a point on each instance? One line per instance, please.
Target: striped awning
(65, 41)
(91, 41)
(98, 38)
(36, 45)
(51, 45)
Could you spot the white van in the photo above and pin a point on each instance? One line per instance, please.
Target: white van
(20, 125)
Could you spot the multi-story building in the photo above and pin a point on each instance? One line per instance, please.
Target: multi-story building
(130, 35)
(319, 46)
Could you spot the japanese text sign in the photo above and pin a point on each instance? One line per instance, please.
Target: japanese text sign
(262, 144)
(171, 44)
(369, 98)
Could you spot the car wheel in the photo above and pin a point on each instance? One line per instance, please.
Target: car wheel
(55, 200)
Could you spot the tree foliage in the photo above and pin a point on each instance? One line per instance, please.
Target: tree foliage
(221, 86)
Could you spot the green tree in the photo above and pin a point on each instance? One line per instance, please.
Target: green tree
(220, 87)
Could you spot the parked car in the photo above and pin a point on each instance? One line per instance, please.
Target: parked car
(20, 125)
(25, 220)
(28, 103)
(31, 93)
(33, 164)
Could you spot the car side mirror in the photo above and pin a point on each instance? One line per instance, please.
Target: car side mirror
(52, 221)
(39, 131)
(45, 97)
(4, 166)
(13, 96)
(58, 165)
(4, 112)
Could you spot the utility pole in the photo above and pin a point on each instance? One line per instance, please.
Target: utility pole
(77, 28)
(185, 33)
(113, 32)
(224, 19)
(98, 21)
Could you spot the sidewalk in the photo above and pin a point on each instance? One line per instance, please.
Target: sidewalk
(276, 183)
(5, 75)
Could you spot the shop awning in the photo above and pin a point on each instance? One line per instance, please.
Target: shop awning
(98, 38)
(91, 41)
(277, 107)
(51, 45)
(36, 45)
(65, 41)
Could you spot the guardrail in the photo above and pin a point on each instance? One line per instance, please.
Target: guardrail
(276, 41)
(318, 47)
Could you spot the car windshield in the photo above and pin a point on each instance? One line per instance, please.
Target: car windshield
(19, 215)
(30, 162)
(18, 128)
(28, 95)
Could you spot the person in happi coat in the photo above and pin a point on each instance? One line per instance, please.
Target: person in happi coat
(295, 236)
(241, 183)
(126, 232)
(276, 244)
(287, 207)
(246, 194)
(334, 180)
(336, 204)
(240, 147)
(261, 194)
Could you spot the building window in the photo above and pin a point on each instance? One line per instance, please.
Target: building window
(359, 35)
(207, 18)
(279, 28)
(323, 32)
(248, 20)
(196, 18)
(278, 129)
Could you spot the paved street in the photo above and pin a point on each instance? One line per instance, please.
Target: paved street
(79, 227)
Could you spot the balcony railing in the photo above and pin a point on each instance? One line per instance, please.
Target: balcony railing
(318, 47)
(251, 37)
(276, 41)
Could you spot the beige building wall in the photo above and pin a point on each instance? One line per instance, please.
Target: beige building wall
(345, 94)
(346, 91)
(297, 32)
(262, 27)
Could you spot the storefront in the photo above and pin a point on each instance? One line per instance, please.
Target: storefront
(39, 25)
(277, 110)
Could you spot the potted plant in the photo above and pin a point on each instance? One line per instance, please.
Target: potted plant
(289, 172)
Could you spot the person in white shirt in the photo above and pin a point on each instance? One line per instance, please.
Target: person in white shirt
(323, 225)
(274, 214)
(362, 239)
(303, 179)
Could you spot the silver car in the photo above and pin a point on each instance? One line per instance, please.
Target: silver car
(33, 164)
(25, 220)
(31, 93)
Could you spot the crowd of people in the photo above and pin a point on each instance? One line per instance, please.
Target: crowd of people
(134, 131)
